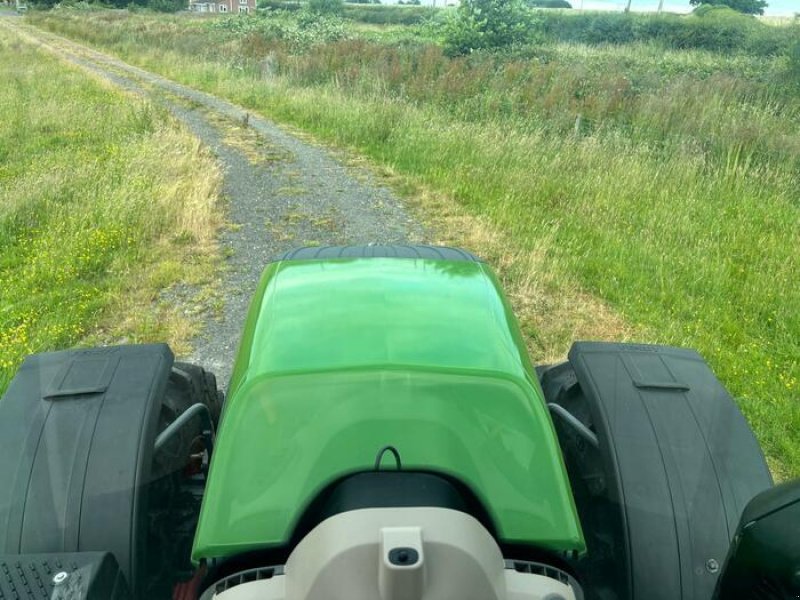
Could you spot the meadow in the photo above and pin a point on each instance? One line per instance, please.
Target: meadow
(645, 189)
(104, 202)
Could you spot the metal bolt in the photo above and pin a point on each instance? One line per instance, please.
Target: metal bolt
(60, 577)
(712, 566)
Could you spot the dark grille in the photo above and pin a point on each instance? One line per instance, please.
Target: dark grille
(246, 577)
(534, 568)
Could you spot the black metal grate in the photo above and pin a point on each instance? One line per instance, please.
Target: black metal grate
(534, 568)
(246, 577)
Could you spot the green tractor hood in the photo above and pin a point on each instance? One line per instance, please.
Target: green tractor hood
(340, 358)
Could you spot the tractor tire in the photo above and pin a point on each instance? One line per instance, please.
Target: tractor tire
(661, 462)
(589, 481)
(379, 251)
(78, 428)
(83, 471)
(178, 476)
(187, 385)
(204, 387)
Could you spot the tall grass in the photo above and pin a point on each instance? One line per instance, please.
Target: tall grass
(666, 183)
(94, 186)
(376, 14)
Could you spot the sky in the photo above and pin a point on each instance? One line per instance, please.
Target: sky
(776, 8)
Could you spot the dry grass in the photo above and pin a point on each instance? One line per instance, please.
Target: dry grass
(106, 205)
(551, 307)
(190, 182)
(238, 134)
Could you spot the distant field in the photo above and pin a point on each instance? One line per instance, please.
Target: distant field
(103, 201)
(631, 190)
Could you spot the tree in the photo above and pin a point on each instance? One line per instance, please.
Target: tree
(748, 7)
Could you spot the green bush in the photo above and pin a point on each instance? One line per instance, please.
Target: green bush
(748, 7)
(487, 25)
(549, 4)
(364, 11)
(166, 6)
(713, 28)
(706, 9)
(78, 5)
(279, 5)
(717, 29)
(326, 7)
(389, 15)
(298, 31)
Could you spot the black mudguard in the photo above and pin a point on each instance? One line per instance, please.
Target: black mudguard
(661, 494)
(764, 561)
(77, 430)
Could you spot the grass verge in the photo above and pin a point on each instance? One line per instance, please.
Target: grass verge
(648, 198)
(104, 203)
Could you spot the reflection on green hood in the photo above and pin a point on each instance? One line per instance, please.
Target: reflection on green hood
(342, 357)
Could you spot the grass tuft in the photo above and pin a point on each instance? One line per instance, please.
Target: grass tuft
(104, 201)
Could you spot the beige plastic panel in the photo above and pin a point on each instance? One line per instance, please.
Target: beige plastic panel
(346, 558)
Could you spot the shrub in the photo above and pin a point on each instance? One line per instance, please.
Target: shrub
(166, 6)
(487, 24)
(298, 31)
(389, 15)
(705, 9)
(77, 5)
(278, 5)
(549, 4)
(588, 28)
(713, 28)
(749, 7)
(326, 7)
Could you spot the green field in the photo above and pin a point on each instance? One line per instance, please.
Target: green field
(104, 201)
(637, 190)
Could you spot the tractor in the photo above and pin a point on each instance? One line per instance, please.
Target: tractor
(385, 436)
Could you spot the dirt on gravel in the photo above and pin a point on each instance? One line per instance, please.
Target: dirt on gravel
(280, 192)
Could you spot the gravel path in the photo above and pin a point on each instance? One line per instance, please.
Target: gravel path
(281, 192)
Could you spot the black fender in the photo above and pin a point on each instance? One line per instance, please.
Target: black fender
(92, 446)
(661, 462)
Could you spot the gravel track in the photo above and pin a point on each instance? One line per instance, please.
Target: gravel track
(280, 193)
